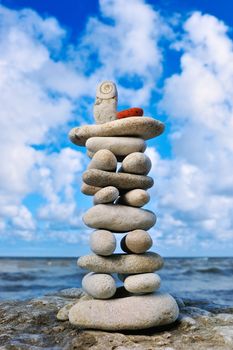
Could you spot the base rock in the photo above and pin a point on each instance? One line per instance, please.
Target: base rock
(135, 312)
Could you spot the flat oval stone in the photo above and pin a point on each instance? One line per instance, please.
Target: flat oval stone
(119, 218)
(99, 285)
(102, 242)
(89, 190)
(122, 181)
(103, 160)
(145, 128)
(137, 241)
(122, 263)
(134, 312)
(135, 198)
(142, 283)
(136, 163)
(106, 195)
(120, 146)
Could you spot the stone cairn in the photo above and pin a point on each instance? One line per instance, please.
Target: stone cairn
(119, 196)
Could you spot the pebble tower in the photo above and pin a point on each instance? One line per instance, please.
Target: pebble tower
(117, 178)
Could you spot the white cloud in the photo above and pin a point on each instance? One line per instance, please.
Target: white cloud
(40, 92)
(197, 186)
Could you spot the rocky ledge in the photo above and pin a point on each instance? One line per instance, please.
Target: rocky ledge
(32, 325)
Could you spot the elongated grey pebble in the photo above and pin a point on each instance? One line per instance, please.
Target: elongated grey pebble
(119, 218)
(142, 127)
(122, 263)
(122, 181)
(120, 146)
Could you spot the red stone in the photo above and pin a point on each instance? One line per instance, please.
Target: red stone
(131, 112)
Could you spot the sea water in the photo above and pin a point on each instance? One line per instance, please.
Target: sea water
(190, 278)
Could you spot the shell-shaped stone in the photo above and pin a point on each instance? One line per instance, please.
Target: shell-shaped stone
(99, 285)
(106, 89)
(102, 242)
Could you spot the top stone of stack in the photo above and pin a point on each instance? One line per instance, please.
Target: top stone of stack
(105, 113)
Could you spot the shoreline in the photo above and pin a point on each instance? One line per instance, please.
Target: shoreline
(32, 323)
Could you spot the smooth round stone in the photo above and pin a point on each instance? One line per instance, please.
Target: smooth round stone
(102, 242)
(137, 241)
(136, 163)
(103, 160)
(120, 146)
(89, 190)
(134, 312)
(122, 263)
(145, 128)
(142, 283)
(122, 181)
(106, 195)
(119, 218)
(135, 198)
(99, 285)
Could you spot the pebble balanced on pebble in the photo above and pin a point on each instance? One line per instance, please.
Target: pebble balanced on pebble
(118, 200)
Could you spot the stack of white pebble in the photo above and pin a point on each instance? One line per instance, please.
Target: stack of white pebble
(119, 193)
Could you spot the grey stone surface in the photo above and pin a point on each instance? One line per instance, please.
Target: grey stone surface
(106, 195)
(120, 146)
(136, 312)
(99, 285)
(142, 283)
(137, 241)
(102, 242)
(122, 181)
(136, 163)
(105, 107)
(103, 160)
(31, 324)
(119, 218)
(89, 190)
(135, 198)
(142, 127)
(122, 263)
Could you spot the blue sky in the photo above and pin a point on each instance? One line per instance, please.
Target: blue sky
(172, 58)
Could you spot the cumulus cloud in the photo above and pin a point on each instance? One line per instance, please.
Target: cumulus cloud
(44, 85)
(30, 113)
(195, 187)
(47, 85)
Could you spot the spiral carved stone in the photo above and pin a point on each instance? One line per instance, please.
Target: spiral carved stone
(105, 107)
